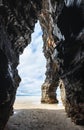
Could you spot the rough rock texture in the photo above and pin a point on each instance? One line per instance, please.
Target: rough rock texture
(62, 22)
(17, 21)
(70, 21)
(62, 92)
(52, 79)
(63, 27)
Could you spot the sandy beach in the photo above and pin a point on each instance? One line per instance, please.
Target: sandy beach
(30, 114)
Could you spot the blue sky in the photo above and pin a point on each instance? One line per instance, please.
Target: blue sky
(32, 65)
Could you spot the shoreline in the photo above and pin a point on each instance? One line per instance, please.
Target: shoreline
(27, 102)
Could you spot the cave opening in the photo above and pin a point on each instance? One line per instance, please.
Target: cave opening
(32, 66)
(32, 70)
(17, 24)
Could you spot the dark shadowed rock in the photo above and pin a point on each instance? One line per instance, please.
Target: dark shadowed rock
(62, 23)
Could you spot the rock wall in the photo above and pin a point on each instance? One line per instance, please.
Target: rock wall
(63, 34)
(68, 27)
(51, 82)
(17, 21)
(62, 23)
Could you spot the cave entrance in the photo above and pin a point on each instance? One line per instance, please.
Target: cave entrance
(32, 66)
(32, 70)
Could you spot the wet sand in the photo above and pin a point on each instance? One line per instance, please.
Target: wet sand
(30, 114)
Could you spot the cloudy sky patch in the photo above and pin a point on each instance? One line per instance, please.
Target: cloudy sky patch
(32, 65)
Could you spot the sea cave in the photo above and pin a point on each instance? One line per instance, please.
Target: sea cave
(62, 24)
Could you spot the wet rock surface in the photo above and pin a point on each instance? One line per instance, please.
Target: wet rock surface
(62, 23)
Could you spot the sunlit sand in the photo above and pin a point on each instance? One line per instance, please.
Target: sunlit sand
(29, 102)
(30, 114)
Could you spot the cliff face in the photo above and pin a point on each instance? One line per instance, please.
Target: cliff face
(17, 21)
(64, 38)
(70, 57)
(62, 23)
(52, 79)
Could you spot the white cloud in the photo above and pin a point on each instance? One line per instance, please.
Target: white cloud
(32, 65)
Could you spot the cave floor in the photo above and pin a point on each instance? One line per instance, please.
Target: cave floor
(31, 115)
